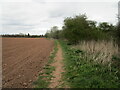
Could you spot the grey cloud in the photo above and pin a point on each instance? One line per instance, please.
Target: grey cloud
(56, 14)
(13, 22)
(16, 23)
(66, 9)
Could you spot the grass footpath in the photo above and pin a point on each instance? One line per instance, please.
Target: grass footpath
(45, 77)
(84, 73)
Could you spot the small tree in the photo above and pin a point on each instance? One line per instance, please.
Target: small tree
(28, 34)
(53, 33)
(75, 28)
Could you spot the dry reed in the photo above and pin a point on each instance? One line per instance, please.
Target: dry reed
(99, 51)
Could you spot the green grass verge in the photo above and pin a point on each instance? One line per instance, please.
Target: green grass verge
(84, 73)
(45, 77)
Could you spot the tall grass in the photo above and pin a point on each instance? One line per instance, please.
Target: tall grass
(83, 72)
(99, 51)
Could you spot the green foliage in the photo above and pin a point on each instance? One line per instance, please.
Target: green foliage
(84, 73)
(54, 33)
(108, 29)
(104, 26)
(74, 28)
(45, 76)
(79, 28)
(118, 30)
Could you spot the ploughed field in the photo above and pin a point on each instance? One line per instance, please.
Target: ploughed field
(23, 59)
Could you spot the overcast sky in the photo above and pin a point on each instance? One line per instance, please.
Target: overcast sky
(38, 16)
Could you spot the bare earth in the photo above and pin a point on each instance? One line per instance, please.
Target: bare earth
(23, 59)
(57, 74)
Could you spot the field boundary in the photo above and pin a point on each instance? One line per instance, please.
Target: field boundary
(46, 74)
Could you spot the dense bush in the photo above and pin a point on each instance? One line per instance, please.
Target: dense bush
(79, 28)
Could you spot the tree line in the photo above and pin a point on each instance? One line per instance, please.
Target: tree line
(80, 28)
(22, 35)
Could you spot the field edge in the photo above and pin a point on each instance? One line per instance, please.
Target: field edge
(45, 76)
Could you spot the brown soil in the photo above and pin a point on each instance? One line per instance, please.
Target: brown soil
(23, 59)
(57, 74)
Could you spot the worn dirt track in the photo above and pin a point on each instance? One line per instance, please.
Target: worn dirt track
(57, 74)
(23, 59)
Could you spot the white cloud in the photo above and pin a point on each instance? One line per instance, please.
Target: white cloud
(16, 1)
(79, 0)
(37, 16)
